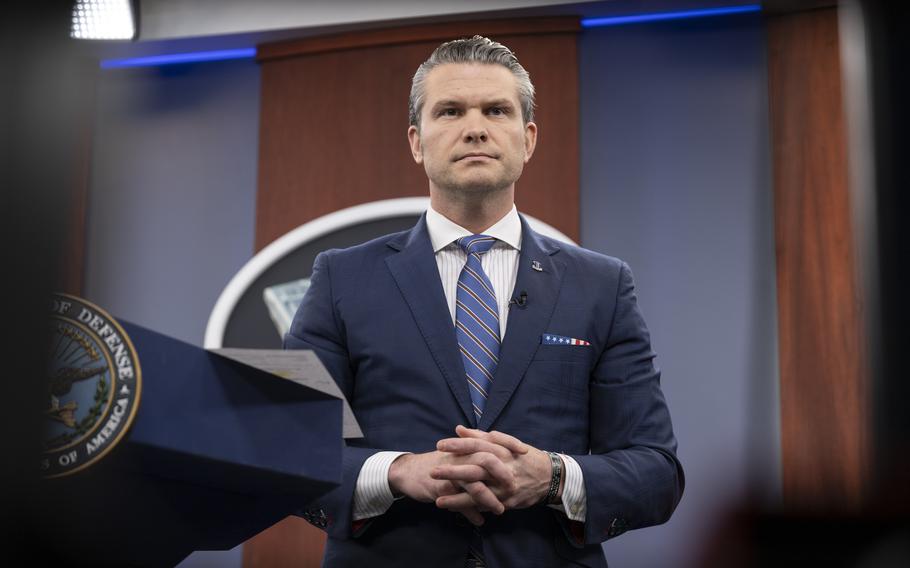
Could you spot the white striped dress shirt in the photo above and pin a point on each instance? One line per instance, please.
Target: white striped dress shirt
(372, 495)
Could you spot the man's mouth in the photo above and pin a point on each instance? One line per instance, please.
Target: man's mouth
(476, 156)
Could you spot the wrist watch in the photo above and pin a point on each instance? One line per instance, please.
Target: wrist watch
(552, 496)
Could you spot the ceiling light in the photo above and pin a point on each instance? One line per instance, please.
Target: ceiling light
(104, 19)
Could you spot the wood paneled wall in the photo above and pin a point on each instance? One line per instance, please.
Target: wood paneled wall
(333, 133)
(333, 120)
(72, 270)
(824, 390)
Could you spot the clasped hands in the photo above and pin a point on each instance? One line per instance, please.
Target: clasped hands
(473, 473)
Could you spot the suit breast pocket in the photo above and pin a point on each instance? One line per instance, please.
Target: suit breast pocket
(569, 353)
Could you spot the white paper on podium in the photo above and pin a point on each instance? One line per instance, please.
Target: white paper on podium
(302, 367)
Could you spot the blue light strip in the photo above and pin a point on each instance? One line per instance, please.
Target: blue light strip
(660, 16)
(250, 52)
(177, 58)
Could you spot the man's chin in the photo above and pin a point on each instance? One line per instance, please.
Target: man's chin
(477, 184)
(478, 187)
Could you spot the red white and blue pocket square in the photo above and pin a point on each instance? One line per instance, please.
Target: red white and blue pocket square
(551, 339)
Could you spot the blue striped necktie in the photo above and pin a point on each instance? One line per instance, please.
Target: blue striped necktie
(477, 321)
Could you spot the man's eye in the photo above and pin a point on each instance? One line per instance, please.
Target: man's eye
(448, 112)
(497, 111)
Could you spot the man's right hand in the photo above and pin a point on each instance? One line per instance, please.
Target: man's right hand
(409, 475)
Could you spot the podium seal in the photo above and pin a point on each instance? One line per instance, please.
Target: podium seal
(93, 386)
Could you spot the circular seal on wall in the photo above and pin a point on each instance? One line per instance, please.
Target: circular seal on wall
(93, 386)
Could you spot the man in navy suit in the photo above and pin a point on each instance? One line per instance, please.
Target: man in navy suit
(504, 381)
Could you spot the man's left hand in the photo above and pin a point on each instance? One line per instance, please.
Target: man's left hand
(531, 468)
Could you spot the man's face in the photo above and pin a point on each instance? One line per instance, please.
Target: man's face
(472, 137)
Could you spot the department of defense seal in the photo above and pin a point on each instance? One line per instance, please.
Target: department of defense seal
(94, 383)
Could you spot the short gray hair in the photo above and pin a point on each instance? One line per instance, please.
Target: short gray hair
(477, 49)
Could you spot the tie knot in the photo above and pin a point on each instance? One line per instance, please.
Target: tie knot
(476, 243)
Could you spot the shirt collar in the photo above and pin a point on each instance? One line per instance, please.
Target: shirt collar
(443, 231)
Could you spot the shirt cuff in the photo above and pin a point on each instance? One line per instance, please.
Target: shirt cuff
(372, 494)
(574, 499)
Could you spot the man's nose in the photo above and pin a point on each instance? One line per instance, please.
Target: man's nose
(475, 129)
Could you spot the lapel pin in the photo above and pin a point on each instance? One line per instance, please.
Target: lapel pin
(535, 264)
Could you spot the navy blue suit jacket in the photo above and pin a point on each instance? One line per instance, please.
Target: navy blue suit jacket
(377, 317)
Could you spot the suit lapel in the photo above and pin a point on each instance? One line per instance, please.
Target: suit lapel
(526, 323)
(414, 270)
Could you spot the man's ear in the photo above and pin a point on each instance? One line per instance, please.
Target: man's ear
(530, 140)
(414, 141)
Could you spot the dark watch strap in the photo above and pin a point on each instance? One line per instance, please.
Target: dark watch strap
(552, 497)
